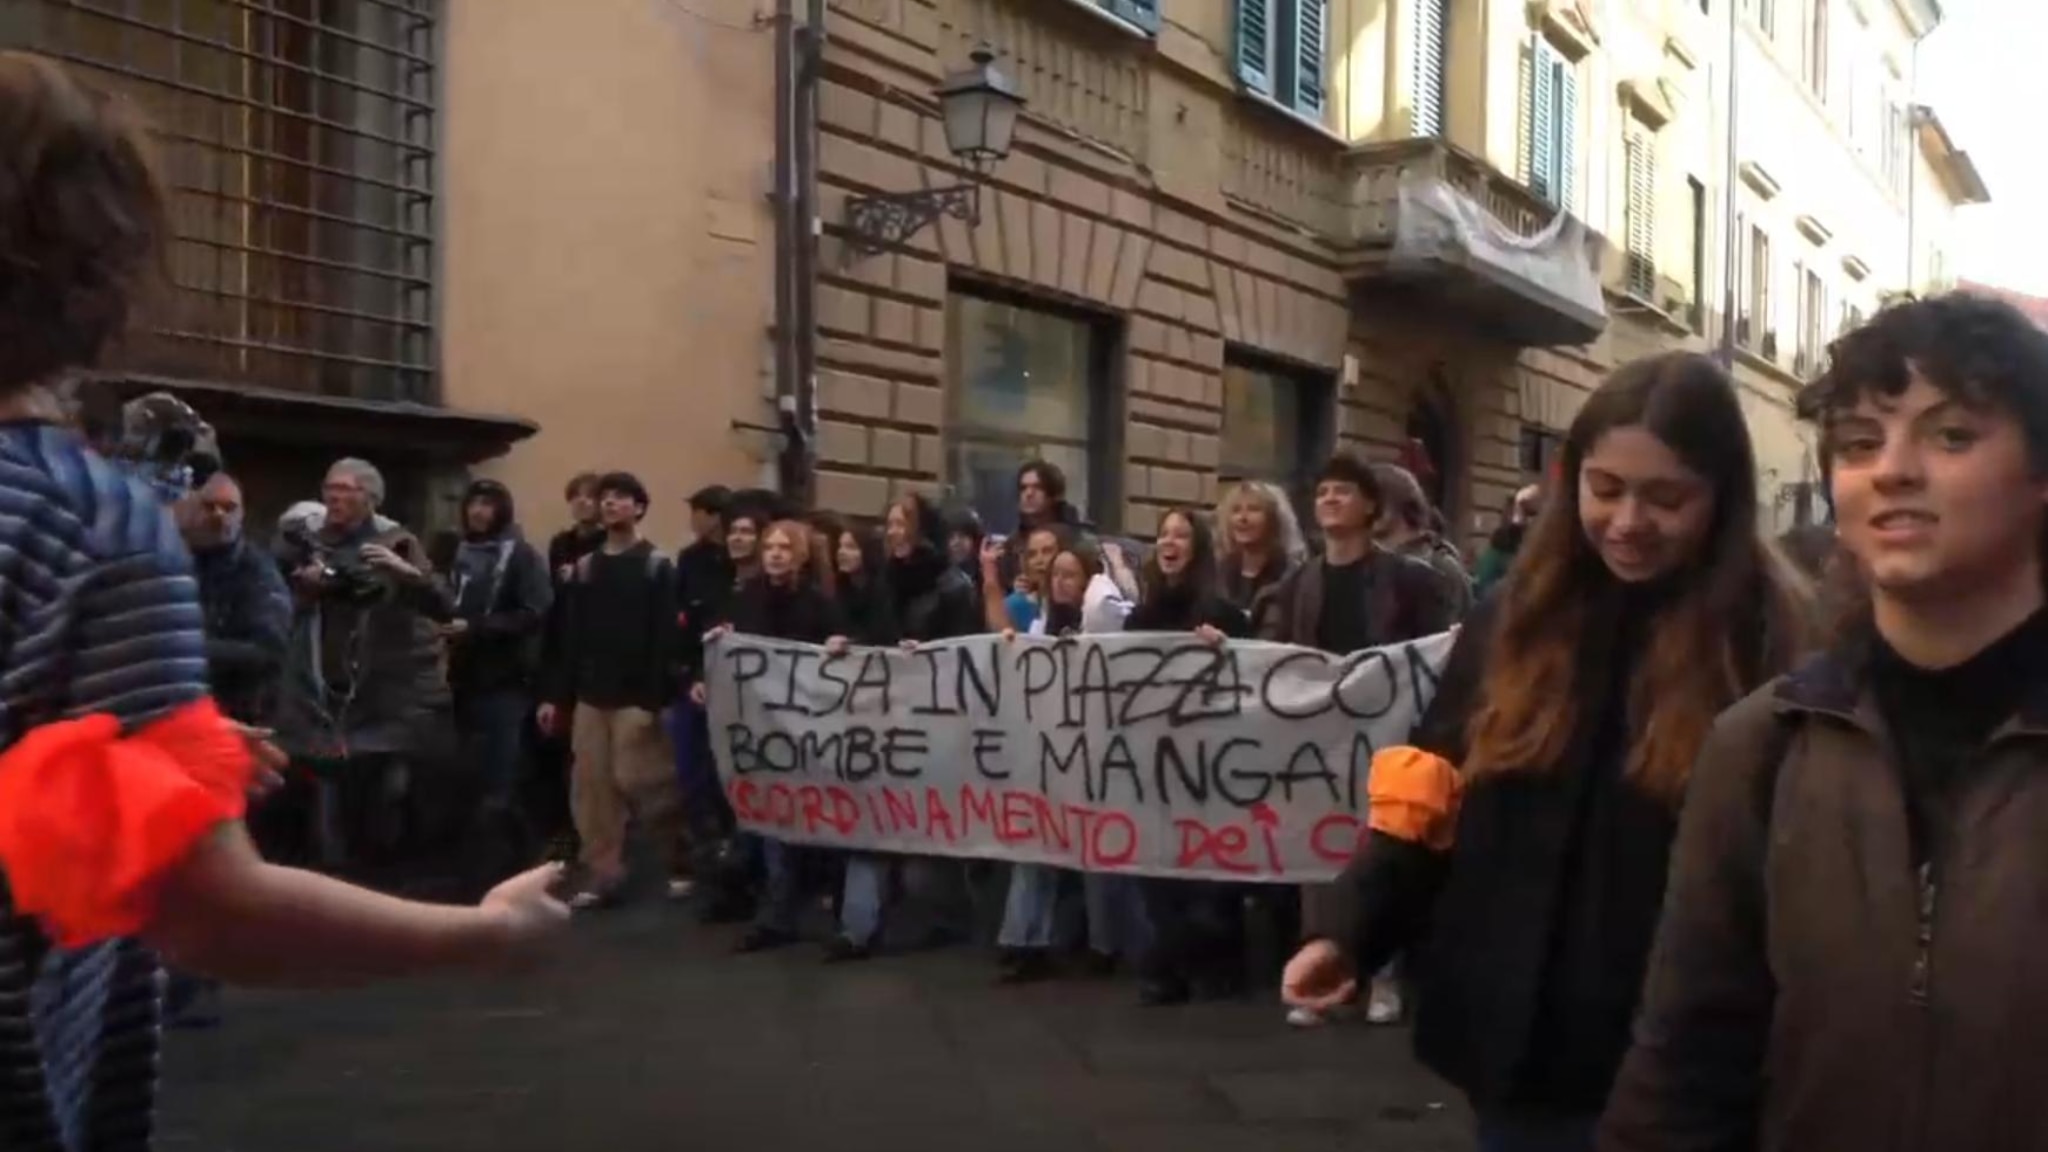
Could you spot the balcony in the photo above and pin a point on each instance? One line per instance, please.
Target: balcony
(1427, 219)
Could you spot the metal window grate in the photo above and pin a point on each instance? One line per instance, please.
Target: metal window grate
(297, 138)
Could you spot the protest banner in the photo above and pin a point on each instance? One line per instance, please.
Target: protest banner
(1149, 754)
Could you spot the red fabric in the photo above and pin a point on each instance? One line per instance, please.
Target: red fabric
(90, 821)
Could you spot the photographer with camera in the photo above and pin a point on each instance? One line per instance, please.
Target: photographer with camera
(364, 700)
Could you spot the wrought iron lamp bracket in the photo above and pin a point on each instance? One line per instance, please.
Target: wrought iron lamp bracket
(874, 224)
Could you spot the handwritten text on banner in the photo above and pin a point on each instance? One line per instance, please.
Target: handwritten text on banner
(1152, 754)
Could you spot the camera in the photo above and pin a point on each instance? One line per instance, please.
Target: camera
(345, 577)
(166, 441)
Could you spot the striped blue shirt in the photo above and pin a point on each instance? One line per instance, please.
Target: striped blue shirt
(99, 613)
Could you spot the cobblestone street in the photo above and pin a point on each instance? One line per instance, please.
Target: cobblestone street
(650, 1035)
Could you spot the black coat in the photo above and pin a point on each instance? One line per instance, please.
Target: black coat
(802, 613)
(704, 586)
(1532, 934)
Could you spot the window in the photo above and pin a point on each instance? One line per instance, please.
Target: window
(1698, 200)
(1140, 14)
(1281, 47)
(1764, 12)
(1852, 319)
(1817, 50)
(297, 140)
(1640, 211)
(1551, 111)
(1025, 382)
(1432, 18)
(1541, 449)
(1763, 324)
(1897, 139)
(1813, 312)
(1274, 426)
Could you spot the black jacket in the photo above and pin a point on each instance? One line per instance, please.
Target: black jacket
(929, 598)
(248, 627)
(501, 589)
(620, 642)
(704, 586)
(1168, 612)
(801, 613)
(1533, 931)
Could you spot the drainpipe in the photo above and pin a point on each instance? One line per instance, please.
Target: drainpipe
(799, 57)
(1732, 259)
(810, 43)
(787, 258)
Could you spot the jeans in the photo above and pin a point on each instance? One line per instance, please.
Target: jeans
(936, 901)
(1516, 1132)
(781, 903)
(1116, 918)
(492, 725)
(704, 803)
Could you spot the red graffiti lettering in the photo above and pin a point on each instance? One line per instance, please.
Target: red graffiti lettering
(902, 810)
(845, 815)
(937, 818)
(977, 806)
(1223, 849)
(1337, 837)
(812, 804)
(1022, 820)
(1112, 828)
(1268, 821)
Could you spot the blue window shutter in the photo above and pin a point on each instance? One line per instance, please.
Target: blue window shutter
(1427, 67)
(1311, 29)
(1567, 134)
(1542, 121)
(1255, 45)
(1143, 13)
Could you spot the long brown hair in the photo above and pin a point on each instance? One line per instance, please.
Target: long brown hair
(813, 564)
(83, 221)
(1739, 614)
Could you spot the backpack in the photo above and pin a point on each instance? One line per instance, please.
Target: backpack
(581, 574)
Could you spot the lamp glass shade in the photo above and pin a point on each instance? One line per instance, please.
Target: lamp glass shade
(980, 123)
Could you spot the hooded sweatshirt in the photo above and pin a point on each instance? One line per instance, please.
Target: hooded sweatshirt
(501, 588)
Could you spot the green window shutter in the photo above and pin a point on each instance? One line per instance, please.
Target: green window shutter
(1641, 160)
(1311, 29)
(1255, 45)
(1567, 130)
(1142, 13)
(1426, 65)
(1543, 121)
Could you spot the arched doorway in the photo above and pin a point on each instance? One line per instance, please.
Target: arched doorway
(1431, 442)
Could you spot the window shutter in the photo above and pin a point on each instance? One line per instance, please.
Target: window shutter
(1542, 122)
(1567, 132)
(1310, 28)
(1642, 215)
(1143, 13)
(1427, 67)
(1255, 45)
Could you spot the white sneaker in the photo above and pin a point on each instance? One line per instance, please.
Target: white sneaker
(1383, 1005)
(1305, 1018)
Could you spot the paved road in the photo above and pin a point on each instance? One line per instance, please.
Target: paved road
(651, 1036)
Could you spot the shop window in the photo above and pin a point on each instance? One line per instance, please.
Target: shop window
(1275, 425)
(1026, 381)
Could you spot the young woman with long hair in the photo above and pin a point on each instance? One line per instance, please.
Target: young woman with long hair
(928, 599)
(1080, 599)
(783, 601)
(1520, 844)
(1261, 540)
(863, 599)
(122, 784)
(1197, 946)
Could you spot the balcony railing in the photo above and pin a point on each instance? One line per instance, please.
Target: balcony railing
(1437, 220)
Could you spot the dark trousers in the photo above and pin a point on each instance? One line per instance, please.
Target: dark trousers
(492, 726)
(1197, 934)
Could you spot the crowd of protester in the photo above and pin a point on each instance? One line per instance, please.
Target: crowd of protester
(1683, 855)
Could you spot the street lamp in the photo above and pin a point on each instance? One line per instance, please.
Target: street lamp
(979, 106)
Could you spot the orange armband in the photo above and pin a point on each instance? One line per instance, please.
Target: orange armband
(90, 820)
(1414, 797)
